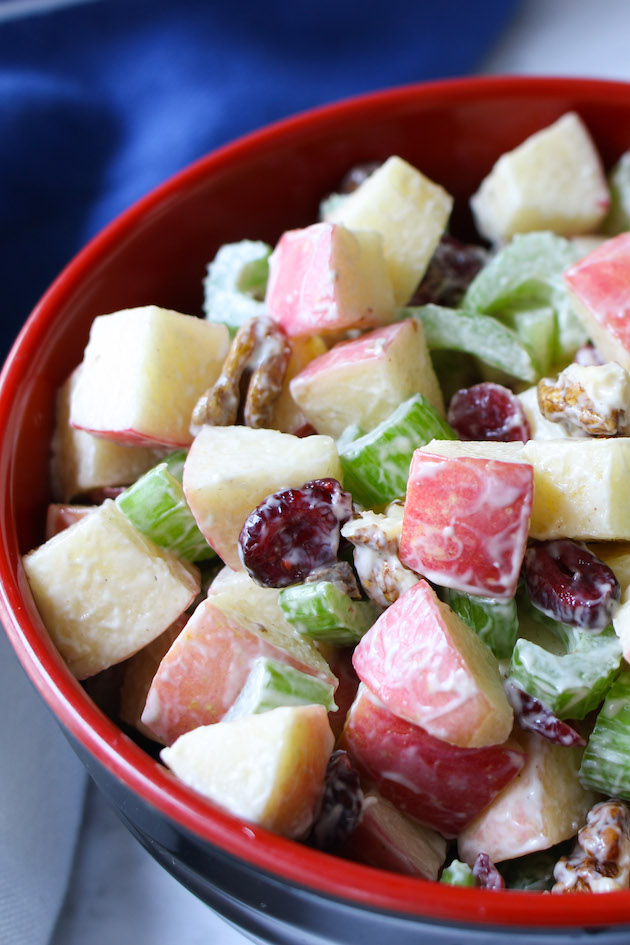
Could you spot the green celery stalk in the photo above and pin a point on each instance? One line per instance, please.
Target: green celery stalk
(323, 612)
(235, 284)
(458, 874)
(376, 465)
(606, 761)
(494, 621)
(483, 336)
(271, 683)
(156, 505)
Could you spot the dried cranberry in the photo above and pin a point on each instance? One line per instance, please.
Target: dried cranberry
(534, 716)
(293, 532)
(452, 268)
(568, 582)
(341, 804)
(486, 873)
(488, 411)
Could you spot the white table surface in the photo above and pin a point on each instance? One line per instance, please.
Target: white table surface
(118, 894)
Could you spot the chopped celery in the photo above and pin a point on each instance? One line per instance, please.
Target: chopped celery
(458, 874)
(272, 683)
(606, 760)
(156, 505)
(234, 287)
(322, 611)
(524, 274)
(532, 872)
(481, 335)
(494, 621)
(376, 465)
(618, 217)
(175, 463)
(537, 328)
(573, 682)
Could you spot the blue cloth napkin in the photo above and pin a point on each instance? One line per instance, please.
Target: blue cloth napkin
(100, 100)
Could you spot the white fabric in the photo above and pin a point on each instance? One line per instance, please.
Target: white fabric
(42, 787)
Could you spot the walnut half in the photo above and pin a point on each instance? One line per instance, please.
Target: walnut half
(601, 859)
(592, 398)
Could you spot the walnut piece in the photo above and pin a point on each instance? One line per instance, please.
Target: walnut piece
(600, 861)
(593, 398)
(258, 358)
(376, 538)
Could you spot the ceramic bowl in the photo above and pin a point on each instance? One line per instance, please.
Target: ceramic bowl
(156, 252)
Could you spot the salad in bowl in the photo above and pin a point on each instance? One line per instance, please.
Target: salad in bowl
(352, 551)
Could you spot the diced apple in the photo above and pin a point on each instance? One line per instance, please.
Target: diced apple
(363, 381)
(230, 470)
(138, 676)
(81, 461)
(207, 666)
(389, 840)
(268, 768)
(408, 209)
(325, 279)
(617, 556)
(142, 373)
(553, 181)
(439, 784)
(580, 485)
(104, 590)
(466, 521)
(427, 666)
(542, 806)
(599, 287)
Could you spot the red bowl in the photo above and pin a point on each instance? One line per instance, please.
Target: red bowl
(156, 252)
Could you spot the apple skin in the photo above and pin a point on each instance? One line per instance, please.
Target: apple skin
(60, 515)
(426, 665)
(599, 286)
(389, 840)
(362, 381)
(466, 522)
(205, 669)
(327, 279)
(440, 785)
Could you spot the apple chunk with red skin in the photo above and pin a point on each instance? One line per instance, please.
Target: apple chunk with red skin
(440, 785)
(466, 522)
(363, 381)
(207, 666)
(326, 278)
(599, 288)
(426, 665)
(387, 839)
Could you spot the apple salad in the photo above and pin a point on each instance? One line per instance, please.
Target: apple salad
(357, 542)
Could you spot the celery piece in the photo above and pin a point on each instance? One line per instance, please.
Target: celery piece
(524, 274)
(376, 465)
(156, 505)
(618, 217)
(458, 874)
(606, 761)
(271, 683)
(481, 335)
(175, 463)
(538, 329)
(235, 284)
(323, 612)
(494, 621)
(571, 683)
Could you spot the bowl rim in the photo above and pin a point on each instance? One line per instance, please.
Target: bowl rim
(296, 864)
